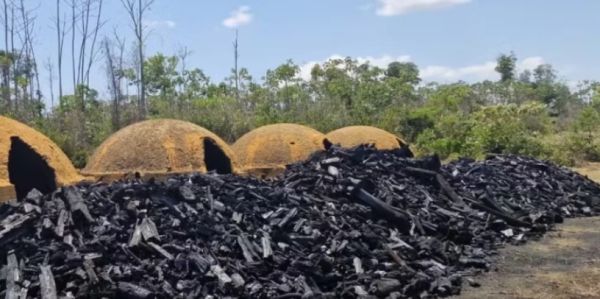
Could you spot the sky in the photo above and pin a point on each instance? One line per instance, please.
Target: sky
(449, 40)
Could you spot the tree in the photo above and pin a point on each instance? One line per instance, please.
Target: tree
(506, 66)
(116, 73)
(525, 76)
(236, 72)
(25, 72)
(406, 72)
(84, 33)
(61, 32)
(550, 91)
(401, 80)
(281, 82)
(586, 128)
(595, 99)
(195, 84)
(93, 31)
(136, 10)
(50, 69)
(6, 60)
(182, 55)
(544, 74)
(6, 63)
(285, 73)
(334, 81)
(161, 75)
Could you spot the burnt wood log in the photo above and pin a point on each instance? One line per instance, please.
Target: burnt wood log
(382, 208)
(130, 290)
(14, 227)
(444, 185)
(78, 207)
(13, 276)
(47, 283)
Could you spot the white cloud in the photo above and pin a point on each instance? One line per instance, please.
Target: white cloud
(381, 61)
(155, 24)
(238, 18)
(437, 73)
(399, 7)
(530, 63)
(484, 71)
(476, 72)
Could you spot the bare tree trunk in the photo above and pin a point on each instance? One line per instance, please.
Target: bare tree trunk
(73, 26)
(92, 55)
(38, 89)
(6, 68)
(28, 54)
(136, 15)
(235, 67)
(30, 30)
(60, 35)
(121, 48)
(141, 54)
(85, 23)
(184, 102)
(15, 58)
(50, 69)
(84, 17)
(120, 64)
(140, 89)
(113, 73)
(183, 54)
(114, 86)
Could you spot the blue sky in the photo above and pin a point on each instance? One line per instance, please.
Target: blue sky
(449, 40)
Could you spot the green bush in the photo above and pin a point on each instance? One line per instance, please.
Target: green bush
(584, 141)
(494, 129)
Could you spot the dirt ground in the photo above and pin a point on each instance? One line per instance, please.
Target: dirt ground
(563, 264)
(592, 170)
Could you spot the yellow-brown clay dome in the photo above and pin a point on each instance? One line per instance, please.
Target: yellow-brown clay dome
(268, 149)
(28, 160)
(158, 147)
(349, 137)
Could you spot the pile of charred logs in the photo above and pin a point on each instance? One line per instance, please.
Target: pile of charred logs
(346, 223)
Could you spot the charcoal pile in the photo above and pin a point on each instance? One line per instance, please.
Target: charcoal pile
(346, 223)
(531, 190)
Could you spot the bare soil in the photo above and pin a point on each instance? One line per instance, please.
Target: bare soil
(591, 170)
(563, 264)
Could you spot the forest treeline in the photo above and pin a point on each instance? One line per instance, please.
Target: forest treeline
(532, 112)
